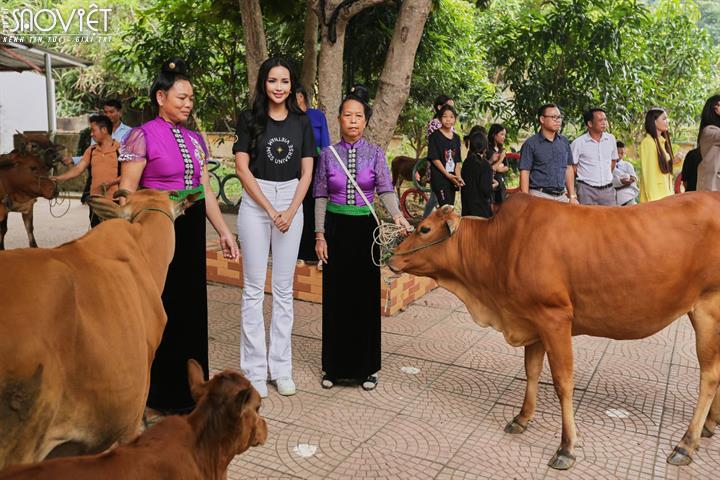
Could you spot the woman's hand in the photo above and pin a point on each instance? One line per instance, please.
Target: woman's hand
(283, 220)
(321, 248)
(458, 181)
(229, 246)
(401, 221)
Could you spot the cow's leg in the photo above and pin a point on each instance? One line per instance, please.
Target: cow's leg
(534, 355)
(713, 418)
(706, 321)
(28, 221)
(3, 226)
(558, 344)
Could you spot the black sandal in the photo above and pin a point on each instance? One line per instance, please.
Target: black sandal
(327, 382)
(370, 382)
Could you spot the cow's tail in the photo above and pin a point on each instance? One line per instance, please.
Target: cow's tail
(22, 426)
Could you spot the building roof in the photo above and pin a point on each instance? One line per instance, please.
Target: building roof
(19, 57)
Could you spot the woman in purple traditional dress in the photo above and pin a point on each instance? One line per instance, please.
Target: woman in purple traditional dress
(344, 228)
(162, 154)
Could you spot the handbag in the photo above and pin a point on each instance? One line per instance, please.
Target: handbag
(359, 190)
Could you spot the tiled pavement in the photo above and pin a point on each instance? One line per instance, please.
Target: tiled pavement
(446, 390)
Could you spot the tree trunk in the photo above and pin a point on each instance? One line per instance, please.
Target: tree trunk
(330, 64)
(310, 60)
(330, 76)
(256, 50)
(395, 78)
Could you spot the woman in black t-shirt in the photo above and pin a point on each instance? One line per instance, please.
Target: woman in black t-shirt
(273, 158)
(477, 194)
(444, 153)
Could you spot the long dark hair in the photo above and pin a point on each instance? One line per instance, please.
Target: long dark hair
(477, 143)
(650, 117)
(475, 129)
(440, 100)
(708, 116)
(495, 128)
(171, 71)
(259, 110)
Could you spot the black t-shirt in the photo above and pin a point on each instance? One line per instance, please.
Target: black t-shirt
(277, 153)
(476, 195)
(690, 168)
(448, 152)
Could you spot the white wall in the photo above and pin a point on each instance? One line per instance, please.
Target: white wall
(23, 105)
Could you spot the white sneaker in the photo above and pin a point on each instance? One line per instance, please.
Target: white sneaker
(285, 386)
(261, 388)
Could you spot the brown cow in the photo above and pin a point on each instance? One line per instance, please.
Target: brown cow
(75, 352)
(200, 446)
(401, 169)
(24, 176)
(541, 272)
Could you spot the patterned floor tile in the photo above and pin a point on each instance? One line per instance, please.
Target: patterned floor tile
(345, 419)
(373, 463)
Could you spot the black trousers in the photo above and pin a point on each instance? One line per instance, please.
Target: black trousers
(185, 302)
(351, 299)
(445, 196)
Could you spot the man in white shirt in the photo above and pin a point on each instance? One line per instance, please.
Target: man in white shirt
(625, 179)
(594, 155)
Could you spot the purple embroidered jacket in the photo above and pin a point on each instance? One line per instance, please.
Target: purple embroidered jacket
(175, 155)
(363, 159)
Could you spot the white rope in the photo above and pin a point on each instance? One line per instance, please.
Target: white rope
(387, 236)
(63, 196)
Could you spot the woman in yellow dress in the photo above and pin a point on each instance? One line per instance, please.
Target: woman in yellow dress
(656, 157)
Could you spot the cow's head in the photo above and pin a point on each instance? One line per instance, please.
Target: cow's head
(414, 254)
(25, 175)
(232, 408)
(140, 203)
(40, 144)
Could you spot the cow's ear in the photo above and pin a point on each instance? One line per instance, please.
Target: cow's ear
(451, 218)
(185, 203)
(196, 379)
(241, 399)
(107, 209)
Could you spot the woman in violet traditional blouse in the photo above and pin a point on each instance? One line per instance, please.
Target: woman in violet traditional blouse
(164, 155)
(344, 236)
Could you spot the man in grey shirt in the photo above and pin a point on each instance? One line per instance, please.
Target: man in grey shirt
(594, 154)
(545, 158)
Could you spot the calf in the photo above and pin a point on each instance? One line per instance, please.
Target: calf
(200, 446)
(25, 176)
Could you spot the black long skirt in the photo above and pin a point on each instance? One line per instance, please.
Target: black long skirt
(307, 240)
(185, 302)
(351, 299)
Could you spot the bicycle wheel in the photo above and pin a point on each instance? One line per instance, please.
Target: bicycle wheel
(214, 183)
(231, 190)
(412, 203)
(420, 172)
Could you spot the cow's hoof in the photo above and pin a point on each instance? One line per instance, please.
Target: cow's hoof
(707, 433)
(562, 460)
(515, 427)
(679, 457)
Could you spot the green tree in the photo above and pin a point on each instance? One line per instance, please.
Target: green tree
(619, 54)
(207, 33)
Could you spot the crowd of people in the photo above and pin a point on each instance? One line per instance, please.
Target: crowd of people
(590, 170)
(308, 198)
